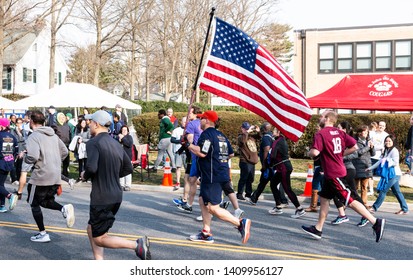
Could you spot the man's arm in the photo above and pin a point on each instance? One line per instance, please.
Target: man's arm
(350, 150)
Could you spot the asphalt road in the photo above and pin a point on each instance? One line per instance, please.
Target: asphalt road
(148, 210)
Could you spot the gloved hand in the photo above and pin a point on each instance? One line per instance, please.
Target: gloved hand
(184, 141)
(19, 195)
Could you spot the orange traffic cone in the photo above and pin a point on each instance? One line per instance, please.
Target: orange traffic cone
(309, 182)
(167, 175)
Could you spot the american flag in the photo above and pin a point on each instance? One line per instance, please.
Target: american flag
(240, 70)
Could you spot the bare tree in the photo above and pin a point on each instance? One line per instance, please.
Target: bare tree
(105, 17)
(60, 11)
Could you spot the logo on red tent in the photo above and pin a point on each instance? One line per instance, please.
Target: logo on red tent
(382, 86)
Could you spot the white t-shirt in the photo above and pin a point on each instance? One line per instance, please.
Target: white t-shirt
(378, 141)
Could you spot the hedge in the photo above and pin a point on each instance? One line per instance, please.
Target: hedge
(147, 127)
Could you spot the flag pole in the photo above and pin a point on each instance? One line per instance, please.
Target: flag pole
(211, 14)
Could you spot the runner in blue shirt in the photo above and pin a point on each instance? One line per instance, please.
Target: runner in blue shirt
(214, 151)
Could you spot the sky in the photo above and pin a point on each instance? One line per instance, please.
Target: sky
(308, 14)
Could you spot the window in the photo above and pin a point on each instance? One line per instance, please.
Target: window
(34, 76)
(345, 58)
(60, 78)
(27, 74)
(383, 56)
(363, 61)
(326, 54)
(363, 57)
(403, 55)
(24, 74)
(6, 78)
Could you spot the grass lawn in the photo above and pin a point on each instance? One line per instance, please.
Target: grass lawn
(298, 184)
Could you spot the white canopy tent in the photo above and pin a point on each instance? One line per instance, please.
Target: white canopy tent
(76, 95)
(8, 104)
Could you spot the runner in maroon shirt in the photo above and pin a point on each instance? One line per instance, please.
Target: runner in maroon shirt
(331, 144)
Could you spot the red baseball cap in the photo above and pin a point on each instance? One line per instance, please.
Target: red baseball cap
(210, 115)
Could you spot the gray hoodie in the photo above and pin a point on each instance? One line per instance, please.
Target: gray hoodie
(46, 151)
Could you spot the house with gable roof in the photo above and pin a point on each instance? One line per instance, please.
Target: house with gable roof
(26, 63)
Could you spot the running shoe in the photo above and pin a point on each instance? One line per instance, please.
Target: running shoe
(298, 213)
(68, 212)
(244, 229)
(142, 248)
(240, 196)
(41, 238)
(315, 233)
(275, 211)
(3, 209)
(185, 207)
(378, 229)
(178, 201)
(12, 201)
(72, 183)
(251, 200)
(224, 204)
(339, 220)
(205, 237)
(363, 222)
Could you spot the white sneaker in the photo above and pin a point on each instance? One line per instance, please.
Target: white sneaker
(239, 213)
(72, 183)
(69, 214)
(200, 219)
(42, 238)
(275, 211)
(298, 213)
(16, 183)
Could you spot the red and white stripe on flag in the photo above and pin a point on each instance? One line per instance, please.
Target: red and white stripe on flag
(240, 70)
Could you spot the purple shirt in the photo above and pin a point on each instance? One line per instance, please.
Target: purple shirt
(331, 143)
(194, 127)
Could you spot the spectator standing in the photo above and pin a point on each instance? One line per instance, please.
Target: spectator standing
(180, 159)
(331, 145)
(378, 141)
(214, 151)
(51, 118)
(126, 141)
(83, 135)
(365, 152)
(46, 151)
(165, 133)
(13, 120)
(64, 133)
(8, 152)
(71, 122)
(107, 163)
(389, 159)
(248, 158)
(170, 114)
(122, 116)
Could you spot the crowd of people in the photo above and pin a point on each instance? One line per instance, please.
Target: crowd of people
(102, 146)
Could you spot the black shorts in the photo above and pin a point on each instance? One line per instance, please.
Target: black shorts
(227, 188)
(337, 187)
(102, 217)
(41, 195)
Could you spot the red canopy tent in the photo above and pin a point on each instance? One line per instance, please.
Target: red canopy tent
(368, 92)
